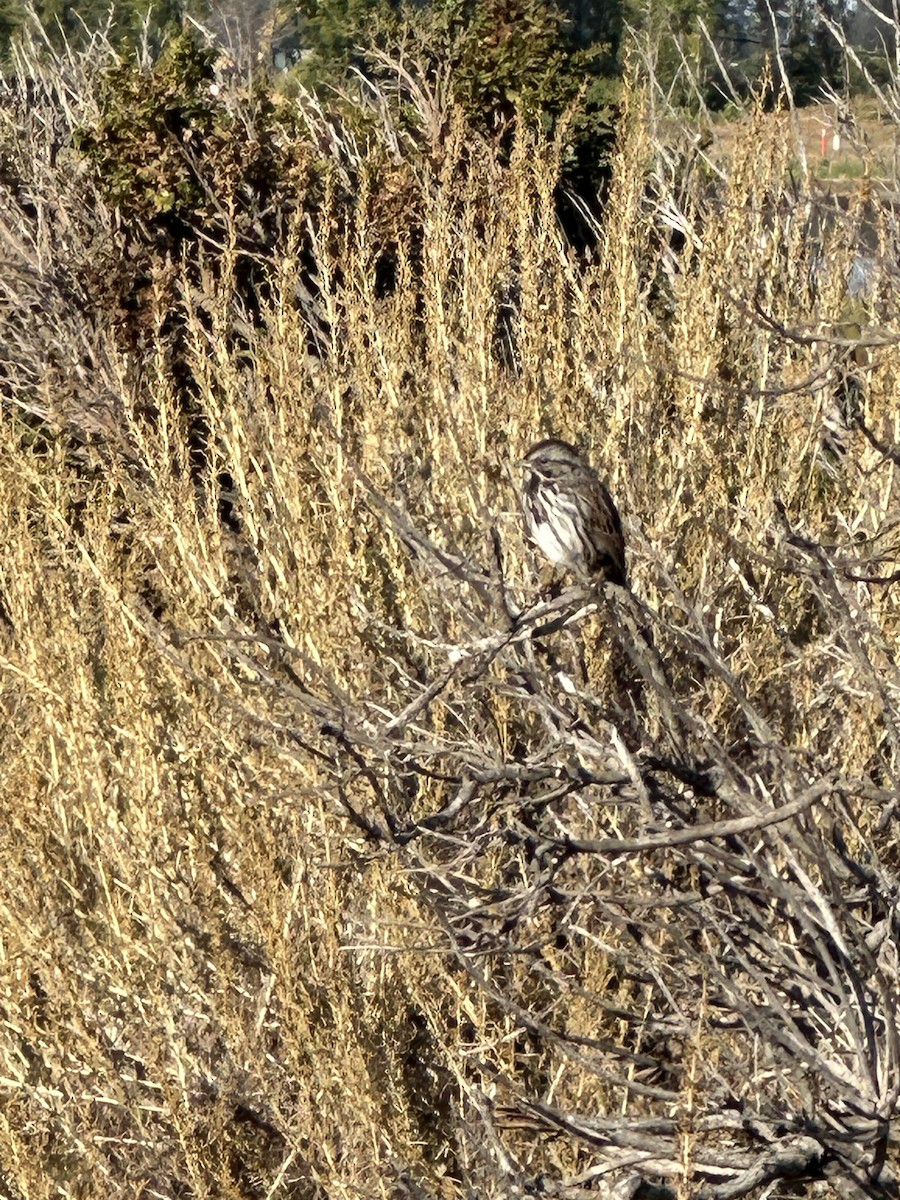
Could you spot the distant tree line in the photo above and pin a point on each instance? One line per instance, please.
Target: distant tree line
(707, 34)
(507, 52)
(73, 20)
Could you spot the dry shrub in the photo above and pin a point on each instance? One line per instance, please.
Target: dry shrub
(340, 863)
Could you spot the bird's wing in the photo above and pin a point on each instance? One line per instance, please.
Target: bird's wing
(611, 541)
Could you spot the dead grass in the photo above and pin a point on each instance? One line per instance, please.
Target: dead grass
(213, 981)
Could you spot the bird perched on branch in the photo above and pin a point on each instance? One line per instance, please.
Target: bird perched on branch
(569, 514)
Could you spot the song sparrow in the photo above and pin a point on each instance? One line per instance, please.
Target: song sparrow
(569, 514)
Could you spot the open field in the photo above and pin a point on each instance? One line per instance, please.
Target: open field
(867, 146)
(338, 862)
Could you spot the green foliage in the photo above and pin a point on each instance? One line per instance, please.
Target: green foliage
(812, 61)
(878, 70)
(72, 21)
(184, 169)
(11, 17)
(508, 62)
(505, 56)
(849, 168)
(153, 126)
(518, 54)
(528, 60)
(66, 19)
(677, 47)
(336, 29)
(165, 148)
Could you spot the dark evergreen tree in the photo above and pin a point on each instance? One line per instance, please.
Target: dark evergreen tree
(11, 16)
(72, 21)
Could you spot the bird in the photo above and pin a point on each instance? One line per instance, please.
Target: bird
(570, 515)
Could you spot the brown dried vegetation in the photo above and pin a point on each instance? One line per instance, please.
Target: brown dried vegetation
(337, 862)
